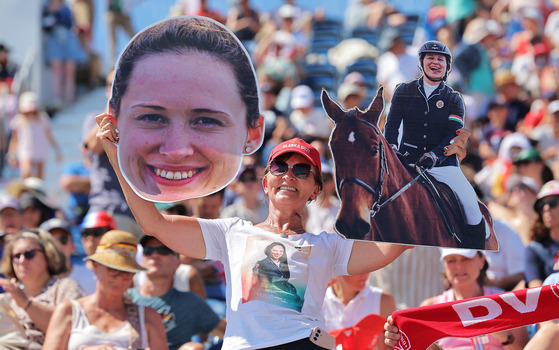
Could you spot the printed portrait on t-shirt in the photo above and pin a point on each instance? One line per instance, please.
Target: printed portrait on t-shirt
(275, 272)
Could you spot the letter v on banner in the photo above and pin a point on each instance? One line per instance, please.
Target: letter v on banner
(464, 311)
(532, 296)
(422, 326)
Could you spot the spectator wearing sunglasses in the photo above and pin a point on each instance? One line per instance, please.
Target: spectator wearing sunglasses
(107, 318)
(184, 314)
(94, 226)
(187, 277)
(61, 230)
(542, 254)
(32, 263)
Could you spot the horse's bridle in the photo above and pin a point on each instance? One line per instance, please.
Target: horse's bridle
(377, 191)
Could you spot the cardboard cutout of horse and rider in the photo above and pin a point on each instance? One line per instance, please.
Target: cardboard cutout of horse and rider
(385, 200)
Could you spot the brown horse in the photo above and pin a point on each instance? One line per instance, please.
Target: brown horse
(381, 199)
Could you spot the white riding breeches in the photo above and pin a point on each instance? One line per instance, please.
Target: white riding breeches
(455, 179)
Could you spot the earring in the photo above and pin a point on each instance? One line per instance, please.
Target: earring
(248, 149)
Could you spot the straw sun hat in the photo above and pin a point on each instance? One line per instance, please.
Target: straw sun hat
(117, 250)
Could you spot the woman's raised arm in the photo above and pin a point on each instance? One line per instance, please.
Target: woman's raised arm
(370, 256)
(59, 328)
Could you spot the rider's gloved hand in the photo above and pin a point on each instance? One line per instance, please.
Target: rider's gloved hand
(427, 161)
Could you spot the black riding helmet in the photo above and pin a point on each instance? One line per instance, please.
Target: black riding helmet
(434, 46)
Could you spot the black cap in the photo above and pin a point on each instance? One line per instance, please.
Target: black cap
(434, 46)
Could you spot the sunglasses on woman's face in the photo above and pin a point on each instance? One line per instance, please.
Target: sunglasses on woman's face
(300, 170)
(63, 239)
(95, 232)
(552, 202)
(28, 255)
(161, 250)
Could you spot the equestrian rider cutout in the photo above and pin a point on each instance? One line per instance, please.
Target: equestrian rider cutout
(430, 113)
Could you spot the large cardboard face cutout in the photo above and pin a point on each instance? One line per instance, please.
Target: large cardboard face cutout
(185, 98)
(383, 199)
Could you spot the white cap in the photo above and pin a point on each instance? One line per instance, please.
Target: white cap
(284, 38)
(553, 107)
(347, 89)
(468, 253)
(354, 78)
(301, 96)
(28, 102)
(516, 179)
(287, 11)
(479, 28)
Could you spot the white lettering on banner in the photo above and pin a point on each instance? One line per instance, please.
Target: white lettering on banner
(532, 296)
(464, 311)
(404, 343)
(494, 309)
(555, 289)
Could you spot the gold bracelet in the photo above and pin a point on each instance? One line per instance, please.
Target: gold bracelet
(29, 302)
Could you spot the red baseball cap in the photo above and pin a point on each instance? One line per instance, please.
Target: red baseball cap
(98, 219)
(296, 145)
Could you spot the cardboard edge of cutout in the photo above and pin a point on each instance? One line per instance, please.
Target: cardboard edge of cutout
(161, 198)
(401, 223)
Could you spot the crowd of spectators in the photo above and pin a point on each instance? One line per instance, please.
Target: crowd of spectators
(505, 65)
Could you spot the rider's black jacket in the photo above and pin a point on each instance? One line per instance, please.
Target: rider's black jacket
(428, 123)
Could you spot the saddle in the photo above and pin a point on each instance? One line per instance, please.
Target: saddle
(448, 203)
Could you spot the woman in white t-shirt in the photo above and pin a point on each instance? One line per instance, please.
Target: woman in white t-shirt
(272, 317)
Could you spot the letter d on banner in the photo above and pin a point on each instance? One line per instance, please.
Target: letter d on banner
(466, 316)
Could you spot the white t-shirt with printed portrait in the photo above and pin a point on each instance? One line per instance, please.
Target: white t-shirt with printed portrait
(268, 305)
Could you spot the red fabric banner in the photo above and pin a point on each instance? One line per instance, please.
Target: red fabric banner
(421, 326)
(365, 334)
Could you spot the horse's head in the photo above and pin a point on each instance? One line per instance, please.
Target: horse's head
(358, 149)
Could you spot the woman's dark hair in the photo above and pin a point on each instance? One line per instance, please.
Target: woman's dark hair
(180, 35)
(538, 231)
(29, 199)
(268, 250)
(547, 174)
(480, 279)
(284, 157)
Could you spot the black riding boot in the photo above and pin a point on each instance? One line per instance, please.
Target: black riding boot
(476, 236)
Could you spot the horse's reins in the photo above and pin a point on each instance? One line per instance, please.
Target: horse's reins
(377, 192)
